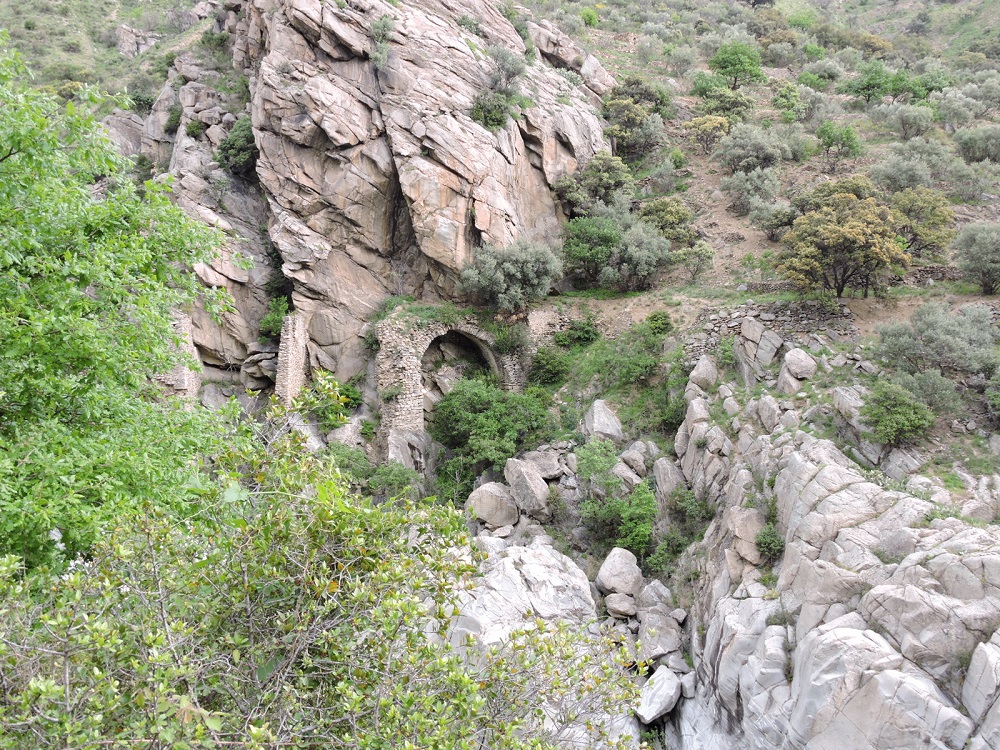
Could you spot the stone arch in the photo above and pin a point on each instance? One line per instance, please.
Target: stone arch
(402, 345)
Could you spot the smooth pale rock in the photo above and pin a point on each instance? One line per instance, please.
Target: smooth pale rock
(752, 330)
(619, 574)
(635, 461)
(601, 422)
(668, 478)
(547, 463)
(518, 582)
(705, 374)
(770, 345)
(768, 412)
(493, 505)
(659, 635)
(655, 596)
(529, 490)
(981, 688)
(629, 478)
(688, 684)
(787, 384)
(658, 696)
(746, 523)
(620, 606)
(800, 364)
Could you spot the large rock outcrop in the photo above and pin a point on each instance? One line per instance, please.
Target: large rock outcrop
(879, 599)
(378, 180)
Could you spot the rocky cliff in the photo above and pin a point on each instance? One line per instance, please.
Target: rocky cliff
(377, 180)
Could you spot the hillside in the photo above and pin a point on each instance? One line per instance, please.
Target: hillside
(545, 375)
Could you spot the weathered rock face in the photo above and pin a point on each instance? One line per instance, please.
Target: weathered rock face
(378, 181)
(858, 641)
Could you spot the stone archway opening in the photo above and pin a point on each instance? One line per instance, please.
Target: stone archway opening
(447, 359)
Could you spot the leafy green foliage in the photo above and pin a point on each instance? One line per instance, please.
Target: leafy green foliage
(604, 177)
(707, 131)
(689, 516)
(744, 188)
(735, 106)
(748, 147)
(671, 216)
(935, 337)
(895, 415)
(978, 254)
(927, 220)
(484, 426)
(324, 400)
(578, 333)
(511, 277)
(589, 243)
(626, 519)
(770, 544)
(837, 142)
(696, 259)
(932, 388)
(871, 83)
(270, 324)
(589, 17)
(88, 283)
(549, 365)
(979, 144)
(738, 63)
(238, 151)
(173, 121)
(704, 83)
(195, 128)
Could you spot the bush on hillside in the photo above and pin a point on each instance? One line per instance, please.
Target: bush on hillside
(238, 152)
(961, 342)
(748, 147)
(895, 415)
(979, 144)
(511, 278)
(603, 179)
(744, 188)
(978, 254)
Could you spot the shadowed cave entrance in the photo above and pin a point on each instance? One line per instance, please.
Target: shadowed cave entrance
(448, 359)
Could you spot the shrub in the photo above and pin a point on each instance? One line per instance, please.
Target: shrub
(549, 365)
(895, 415)
(813, 81)
(511, 277)
(780, 54)
(745, 187)
(604, 177)
(826, 70)
(895, 173)
(670, 216)
(978, 254)
(707, 131)
(491, 109)
(695, 259)
(633, 130)
(485, 425)
(961, 342)
(270, 324)
(215, 41)
(173, 121)
(689, 517)
(735, 106)
(589, 244)
(837, 142)
(651, 96)
(238, 152)
(770, 544)
(931, 388)
(979, 144)
(788, 100)
(953, 108)
(589, 17)
(927, 220)
(821, 195)
(738, 63)
(641, 252)
(578, 333)
(142, 102)
(659, 323)
(704, 83)
(748, 147)
(195, 128)
(774, 219)
(907, 120)
(470, 24)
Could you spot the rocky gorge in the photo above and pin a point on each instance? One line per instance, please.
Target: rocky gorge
(875, 626)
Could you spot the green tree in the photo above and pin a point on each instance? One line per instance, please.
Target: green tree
(927, 220)
(589, 243)
(843, 244)
(604, 178)
(895, 415)
(707, 131)
(872, 82)
(90, 272)
(739, 63)
(978, 254)
(837, 142)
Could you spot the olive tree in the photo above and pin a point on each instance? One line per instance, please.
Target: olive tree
(977, 249)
